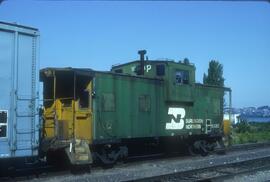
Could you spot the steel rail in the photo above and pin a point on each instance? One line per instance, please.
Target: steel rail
(216, 172)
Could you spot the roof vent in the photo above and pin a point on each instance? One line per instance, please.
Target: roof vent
(142, 53)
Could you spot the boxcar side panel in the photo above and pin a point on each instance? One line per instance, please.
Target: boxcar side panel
(6, 77)
(19, 94)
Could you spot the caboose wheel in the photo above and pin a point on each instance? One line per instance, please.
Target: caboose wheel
(107, 158)
(191, 150)
(203, 148)
(200, 147)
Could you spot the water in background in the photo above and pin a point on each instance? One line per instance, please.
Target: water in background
(256, 119)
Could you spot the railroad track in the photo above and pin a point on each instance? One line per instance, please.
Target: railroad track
(249, 146)
(45, 172)
(214, 173)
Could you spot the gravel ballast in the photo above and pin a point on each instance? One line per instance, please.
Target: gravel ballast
(144, 169)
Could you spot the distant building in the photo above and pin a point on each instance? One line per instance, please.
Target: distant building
(235, 118)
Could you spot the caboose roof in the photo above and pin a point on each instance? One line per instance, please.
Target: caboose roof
(153, 62)
(50, 71)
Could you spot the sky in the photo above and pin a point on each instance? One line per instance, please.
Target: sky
(99, 34)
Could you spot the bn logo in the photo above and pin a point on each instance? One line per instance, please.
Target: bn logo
(177, 121)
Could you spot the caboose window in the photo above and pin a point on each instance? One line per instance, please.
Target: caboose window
(160, 70)
(118, 71)
(144, 103)
(3, 123)
(181, 77)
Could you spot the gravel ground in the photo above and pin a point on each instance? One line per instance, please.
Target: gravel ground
(260, 176)
(142, 169)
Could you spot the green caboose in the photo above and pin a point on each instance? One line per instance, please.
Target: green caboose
(137, 104)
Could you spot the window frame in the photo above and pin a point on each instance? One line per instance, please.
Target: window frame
(119, 71)
(5, 124)
(164, 70)
(146, 98)
(184, 73)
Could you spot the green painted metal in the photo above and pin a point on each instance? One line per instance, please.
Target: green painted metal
(127, 119)
(144, 106)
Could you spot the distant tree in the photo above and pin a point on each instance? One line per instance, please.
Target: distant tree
(204, 78)
(215, 74)
(215, 77)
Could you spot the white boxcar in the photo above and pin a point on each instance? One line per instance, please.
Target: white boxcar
(19, 119)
